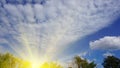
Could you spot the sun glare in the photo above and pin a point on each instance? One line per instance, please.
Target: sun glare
(36, 64)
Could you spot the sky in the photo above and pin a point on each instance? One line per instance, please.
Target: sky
(60, 29)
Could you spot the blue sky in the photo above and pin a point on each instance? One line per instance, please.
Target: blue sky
(112, 30)
(60, 29)
(98, 56)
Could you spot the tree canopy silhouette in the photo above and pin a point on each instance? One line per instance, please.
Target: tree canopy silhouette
(83, 63)
(111, 62)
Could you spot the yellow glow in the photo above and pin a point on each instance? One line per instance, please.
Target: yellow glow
(35, 65)
(50, 65)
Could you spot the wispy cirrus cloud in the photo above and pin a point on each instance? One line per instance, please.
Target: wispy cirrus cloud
(31, 27)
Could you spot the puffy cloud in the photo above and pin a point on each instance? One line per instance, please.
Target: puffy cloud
(106, 43)
(32, 28)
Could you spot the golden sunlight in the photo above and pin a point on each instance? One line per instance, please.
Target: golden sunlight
(43, 65)
(35, 65)
(50, 65)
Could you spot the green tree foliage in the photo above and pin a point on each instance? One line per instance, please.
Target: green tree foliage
(92, 65)
(78, 61)
(9, 61)
(111, 62)
(83, 63)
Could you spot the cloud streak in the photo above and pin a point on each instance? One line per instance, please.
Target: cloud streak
(32, 28)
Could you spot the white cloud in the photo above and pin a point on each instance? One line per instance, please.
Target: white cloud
(47, 29)
(106, 43)
(108, 54)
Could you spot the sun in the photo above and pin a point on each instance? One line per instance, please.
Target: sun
(41, 63)
(28, 64)
(35, 65)
(31, 64)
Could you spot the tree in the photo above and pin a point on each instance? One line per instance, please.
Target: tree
(111, 62)
(78, 61)
(92, 65)
(83, 63)
(9, 61)
(25, 64)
